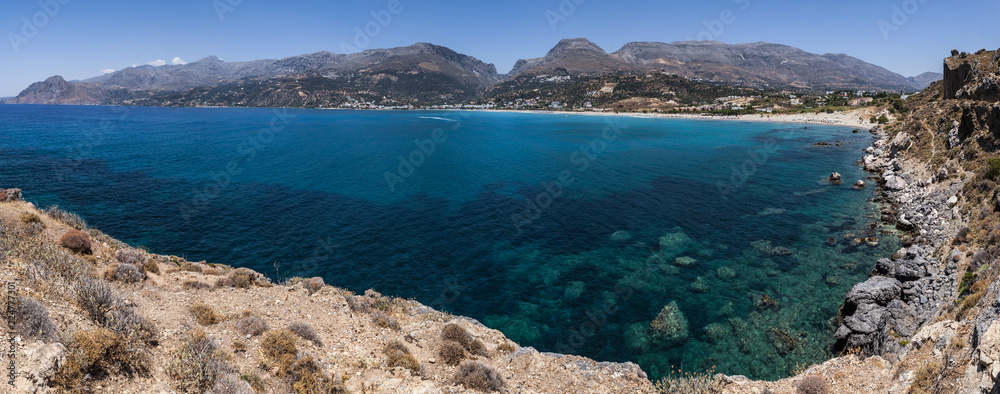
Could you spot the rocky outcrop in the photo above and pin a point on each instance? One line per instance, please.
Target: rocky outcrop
(39, 365)
(10, 195)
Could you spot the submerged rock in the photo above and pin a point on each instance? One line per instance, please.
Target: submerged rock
(670, 325)
(765, 302)
(699, 285)
(621, 236)
(685, 261)
(674, 241)
(726, 273)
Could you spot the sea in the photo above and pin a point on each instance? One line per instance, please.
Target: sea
(677, 244)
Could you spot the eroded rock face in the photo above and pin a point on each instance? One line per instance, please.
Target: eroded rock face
(38, 366)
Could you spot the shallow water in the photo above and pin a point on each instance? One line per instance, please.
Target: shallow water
(567, 233)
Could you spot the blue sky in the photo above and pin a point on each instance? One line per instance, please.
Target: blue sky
(82, 38)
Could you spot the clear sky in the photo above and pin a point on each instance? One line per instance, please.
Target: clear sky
(83, 38)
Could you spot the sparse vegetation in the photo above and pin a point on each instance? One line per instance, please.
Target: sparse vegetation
(307, 332)
(279, 344)
(192, 284)
(231, 383)
(125, 273)
(70, 219)
(204, 314)
(812, 384)
(97, 354)
(398, 355)
(385, 321)
(679, 382)
(454, 332)
(451, 352)
(76, 241)
(241, 278)
(100, 302)
(926, 378)
(478, 376)
(251, 325)
(197, 365)
(33, 321)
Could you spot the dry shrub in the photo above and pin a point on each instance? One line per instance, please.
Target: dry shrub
(32, 320)
(231, 383)
(255, 381)
(204, 314)
(507, 347)
(278, 344)
(251, 325)
(191, 267)
(385, 321)
(306, 377)
(195, 285)
(151, 265)
(812, 384)
(125, 273)
(239, 346)
(104, 307)
(478, 376)
(360, 303)
(132, 256)
(212, 271)
(454, 332)
(99, 353)
(198, 364)
(31, 217)
(307, 332)
(398, 355)
(70, 219)
(77, 241)
(451, 352)
(241, 278)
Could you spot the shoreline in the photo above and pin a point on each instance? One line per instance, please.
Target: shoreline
(848, 119)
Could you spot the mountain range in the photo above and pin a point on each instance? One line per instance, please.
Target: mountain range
(426, 74)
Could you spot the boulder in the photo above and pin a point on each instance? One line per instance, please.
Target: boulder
(908, 270)
(896, 183)
(876, 290)
(835, 177)
(315, 284)
(38, 365)
(900, 142)
(10, 195)
(670, 326)
(859, 184)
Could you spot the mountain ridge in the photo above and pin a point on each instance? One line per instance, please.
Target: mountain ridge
(425, 73)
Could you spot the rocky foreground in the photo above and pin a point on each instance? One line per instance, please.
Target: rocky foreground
(94, 314)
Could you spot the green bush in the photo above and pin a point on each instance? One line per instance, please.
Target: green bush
(992, 168)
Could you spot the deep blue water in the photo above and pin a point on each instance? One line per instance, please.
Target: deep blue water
(507, 218)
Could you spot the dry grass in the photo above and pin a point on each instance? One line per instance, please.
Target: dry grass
(231, 383)
(478, 376)
(689, 383)
(241, 278)
(507, 347)
(204, 314)
(103, 305)
(279, 344)
(926, 378)
(455, 332)
(125, 273)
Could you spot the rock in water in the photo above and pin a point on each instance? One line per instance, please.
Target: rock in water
(621, 236)
(670, 326)
(835, 177)
(859, 184)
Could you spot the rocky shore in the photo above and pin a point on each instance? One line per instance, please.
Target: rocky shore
(906, 290)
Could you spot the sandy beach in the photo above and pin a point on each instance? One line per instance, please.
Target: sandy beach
(854, 118)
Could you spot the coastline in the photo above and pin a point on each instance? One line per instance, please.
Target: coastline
(853, 118)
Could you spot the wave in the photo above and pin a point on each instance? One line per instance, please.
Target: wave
(437, 118)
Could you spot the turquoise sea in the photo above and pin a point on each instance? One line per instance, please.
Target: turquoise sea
(568, 233)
